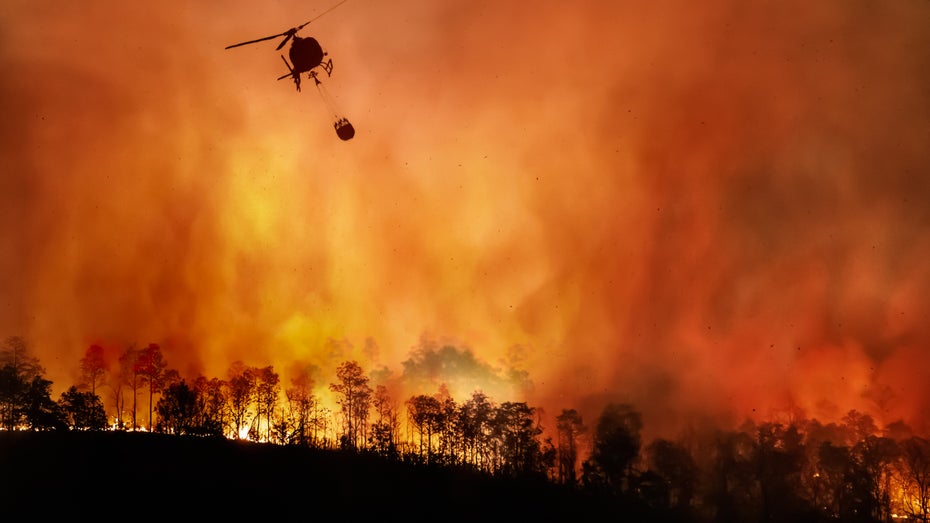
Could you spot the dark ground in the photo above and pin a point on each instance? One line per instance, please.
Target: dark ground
(117, 476)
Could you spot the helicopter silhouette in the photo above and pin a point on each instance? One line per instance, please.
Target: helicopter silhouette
(307, 55)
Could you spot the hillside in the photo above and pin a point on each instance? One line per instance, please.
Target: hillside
(131, 476)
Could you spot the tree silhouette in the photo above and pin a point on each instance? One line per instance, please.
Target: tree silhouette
(178, 409)
(384, 429)
(212, 405)
(83, 410)
(150, 366)
(12, 392)
(301, 402)
(355, 401)
(16, 354)
(445, 425)
(869, 481)
(93, 367)
(915, 473)
(266, 396)
(675, 465)
(819, 477)
(835, 466)
(39, 410)
(779, 459)
(616, 445)
(858, 427)
(241, 390)
(130, 376)
(731, 488)
(521, 451)
(475, 422)
(21, 386)
(570, 427)
(424, 411)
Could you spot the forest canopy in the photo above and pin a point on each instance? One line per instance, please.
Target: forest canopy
(773, 470)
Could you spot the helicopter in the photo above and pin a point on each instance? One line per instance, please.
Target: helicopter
(307, 55)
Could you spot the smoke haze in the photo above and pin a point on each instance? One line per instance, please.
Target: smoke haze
(710, 210)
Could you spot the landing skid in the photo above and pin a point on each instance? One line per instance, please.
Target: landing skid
(326, 66)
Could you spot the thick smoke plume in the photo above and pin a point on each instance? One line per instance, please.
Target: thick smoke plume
(710, 210)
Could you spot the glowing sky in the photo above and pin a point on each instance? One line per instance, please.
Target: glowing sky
(704, 208)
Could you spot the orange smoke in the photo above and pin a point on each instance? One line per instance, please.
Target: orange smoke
(709, 211)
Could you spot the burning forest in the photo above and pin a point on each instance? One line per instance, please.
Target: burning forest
(710, 216)
(786, 469)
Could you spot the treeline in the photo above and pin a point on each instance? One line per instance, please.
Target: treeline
(792, 470)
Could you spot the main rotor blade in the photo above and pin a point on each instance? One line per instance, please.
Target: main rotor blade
(288, 32)
(301, 26)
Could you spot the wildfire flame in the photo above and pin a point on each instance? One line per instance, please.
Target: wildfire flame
(710, 211)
